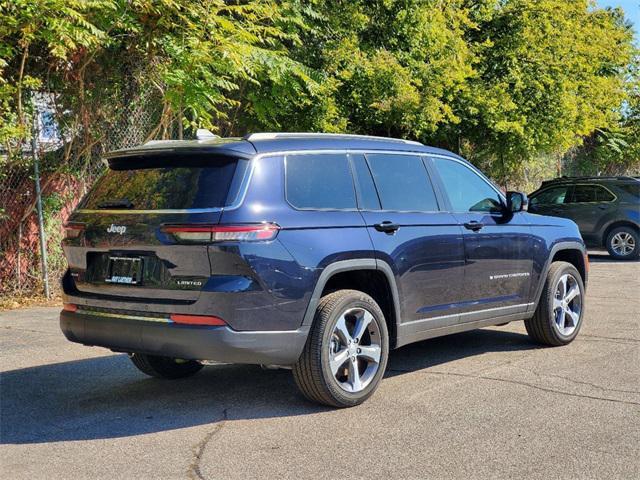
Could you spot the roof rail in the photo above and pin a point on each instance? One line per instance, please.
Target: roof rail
(592, 177)
(274, 135)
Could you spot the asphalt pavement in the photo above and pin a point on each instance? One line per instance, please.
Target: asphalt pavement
(482, 404)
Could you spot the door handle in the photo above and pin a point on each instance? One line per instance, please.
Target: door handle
(473, 225)
(387, 227)
(602, 207)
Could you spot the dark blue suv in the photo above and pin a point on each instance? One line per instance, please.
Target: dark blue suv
(315, 252)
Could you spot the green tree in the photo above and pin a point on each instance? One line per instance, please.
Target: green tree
(548, 74)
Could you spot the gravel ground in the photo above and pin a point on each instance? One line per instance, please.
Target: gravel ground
(481, 404)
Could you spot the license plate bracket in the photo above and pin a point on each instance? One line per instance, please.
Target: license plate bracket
(124, 270)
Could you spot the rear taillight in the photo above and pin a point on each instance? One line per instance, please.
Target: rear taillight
(223, 233)
(197, 320)
(69, 307)
(73, 230)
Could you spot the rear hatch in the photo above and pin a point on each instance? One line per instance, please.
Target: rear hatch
(117, 243)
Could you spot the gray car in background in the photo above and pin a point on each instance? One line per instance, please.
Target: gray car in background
(606, 210)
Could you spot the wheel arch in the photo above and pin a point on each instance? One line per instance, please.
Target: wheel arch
(572, 252)
(373, 277)
(616, 224)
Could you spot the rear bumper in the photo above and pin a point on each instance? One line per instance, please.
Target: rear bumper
(222, 344)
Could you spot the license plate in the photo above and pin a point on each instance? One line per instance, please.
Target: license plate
(124, 270)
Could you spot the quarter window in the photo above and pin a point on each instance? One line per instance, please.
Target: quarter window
(467, 191)
(633, 189)
(402, 182)
(319, 182)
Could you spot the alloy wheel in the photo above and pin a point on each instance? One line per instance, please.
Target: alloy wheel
(623, 243)
(355, 349)
(567, 305)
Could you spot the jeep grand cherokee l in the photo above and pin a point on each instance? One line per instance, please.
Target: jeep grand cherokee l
(311, 251)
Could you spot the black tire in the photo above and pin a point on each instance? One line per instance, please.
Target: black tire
(542, 327)
(312, 372)
(630, 233)
(165, 367)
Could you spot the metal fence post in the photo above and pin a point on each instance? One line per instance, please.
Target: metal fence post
(36, 171)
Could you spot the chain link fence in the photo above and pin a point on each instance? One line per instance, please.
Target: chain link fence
(65, 176)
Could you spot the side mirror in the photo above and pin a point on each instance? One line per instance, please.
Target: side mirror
(517, 202)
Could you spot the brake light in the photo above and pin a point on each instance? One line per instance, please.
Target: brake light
(197, 319)
(69, 307)
(223, 233)
(73, 230)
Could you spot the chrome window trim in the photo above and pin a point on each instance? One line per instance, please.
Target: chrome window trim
(283, 153)
(573, 185)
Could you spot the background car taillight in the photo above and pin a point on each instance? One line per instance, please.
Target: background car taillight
(223, 233)
(73, 230)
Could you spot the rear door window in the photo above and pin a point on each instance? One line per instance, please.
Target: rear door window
(320, 182)
(160, 185)
(591, 193)
(402, 183)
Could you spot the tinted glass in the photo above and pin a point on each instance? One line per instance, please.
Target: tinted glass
(632, 189)
(552, 196)
(604, 195)
(169, 187)
(467, 191)
(319, 181)
(368, 195)
(591, 193)
(585, 193)
(402, 183)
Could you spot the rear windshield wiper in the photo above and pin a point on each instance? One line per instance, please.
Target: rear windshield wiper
(118, 203)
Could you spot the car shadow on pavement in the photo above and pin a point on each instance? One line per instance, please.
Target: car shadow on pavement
(441, 350)
(106, 397)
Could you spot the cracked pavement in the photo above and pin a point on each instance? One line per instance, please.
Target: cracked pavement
(480, 404)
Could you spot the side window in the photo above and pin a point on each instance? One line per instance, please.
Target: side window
(467, 191)
(319, 181)
(632, 189)
(402, 182)
(364, 182)
(591, 193)
(552, 196)
(605, 195)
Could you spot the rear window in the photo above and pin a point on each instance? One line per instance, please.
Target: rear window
(185, 185)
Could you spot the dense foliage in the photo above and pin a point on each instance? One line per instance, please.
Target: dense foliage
(508, 83)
